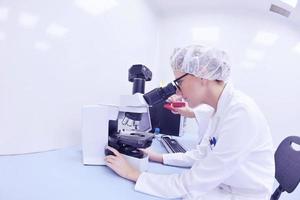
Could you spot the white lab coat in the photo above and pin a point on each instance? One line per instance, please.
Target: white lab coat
(239, 166)
(203, 114)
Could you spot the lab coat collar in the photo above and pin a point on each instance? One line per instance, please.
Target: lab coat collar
(224, 99)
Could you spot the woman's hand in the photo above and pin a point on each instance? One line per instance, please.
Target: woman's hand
(175, 97)
(185, 111)
(119, 165)
(153, 156)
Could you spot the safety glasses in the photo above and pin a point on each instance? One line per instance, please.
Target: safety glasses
(178, 81)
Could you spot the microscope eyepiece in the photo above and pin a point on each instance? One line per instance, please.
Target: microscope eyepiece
(159, 95)
(139, 74)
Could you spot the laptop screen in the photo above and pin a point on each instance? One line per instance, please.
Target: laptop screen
(165, 120)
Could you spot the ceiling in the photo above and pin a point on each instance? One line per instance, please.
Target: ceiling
(170, 7)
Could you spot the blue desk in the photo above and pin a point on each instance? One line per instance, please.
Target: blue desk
(60, 175)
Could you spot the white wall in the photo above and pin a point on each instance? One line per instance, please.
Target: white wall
(59, 55)
(270, 76)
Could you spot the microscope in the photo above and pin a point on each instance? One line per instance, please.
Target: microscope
(126, 126)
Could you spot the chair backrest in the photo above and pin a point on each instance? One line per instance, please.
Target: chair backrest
(287, 164)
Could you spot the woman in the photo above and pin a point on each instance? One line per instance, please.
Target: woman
(235, 157)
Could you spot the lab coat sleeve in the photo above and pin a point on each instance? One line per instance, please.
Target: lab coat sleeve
(186, 159)
(202, 114)
(233, 145)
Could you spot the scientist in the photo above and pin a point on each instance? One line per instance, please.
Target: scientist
(235, 158)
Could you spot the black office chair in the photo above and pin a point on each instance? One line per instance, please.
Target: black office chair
(287, 166)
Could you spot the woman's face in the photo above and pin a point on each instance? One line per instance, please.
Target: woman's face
(192, 89)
